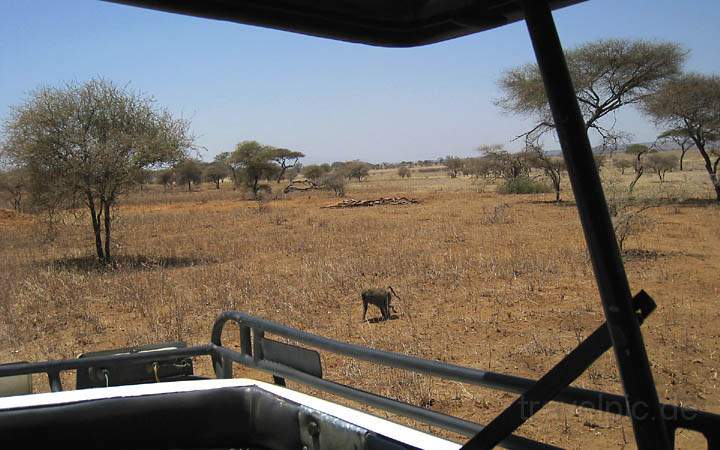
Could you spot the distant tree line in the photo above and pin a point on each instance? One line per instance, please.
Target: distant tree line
(513, 169)
(249, 166)
(349, 170)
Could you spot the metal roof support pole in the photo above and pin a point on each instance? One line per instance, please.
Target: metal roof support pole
(648, 424)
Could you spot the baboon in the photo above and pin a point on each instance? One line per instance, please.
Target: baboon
(381, 298)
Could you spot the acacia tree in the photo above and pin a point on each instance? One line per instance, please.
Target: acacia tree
(680, 138)
(334, 180)
(166, 177)
(478, 167)
(552, 167)
(404, 172)
(215, 172)
(253, 161)
(355, 169)
(661, 164)
(189, 171)
(454, 165)
(638, 151)
(501, 163)
(691, 103)
(285, 159)
(313, 172)
(607, 75)
(83, 143)
(623, 164)
(226, 160)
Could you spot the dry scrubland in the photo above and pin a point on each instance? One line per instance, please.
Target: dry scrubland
(495, 282)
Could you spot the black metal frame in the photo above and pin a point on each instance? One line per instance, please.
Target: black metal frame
(632, 360)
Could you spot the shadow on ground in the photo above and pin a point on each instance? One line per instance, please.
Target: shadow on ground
(380, 319)
(551, 202)
(125, 263)
(645, 255)
(693, 202)
(658, 202)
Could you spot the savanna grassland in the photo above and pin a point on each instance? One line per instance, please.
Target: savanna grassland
(496, 282)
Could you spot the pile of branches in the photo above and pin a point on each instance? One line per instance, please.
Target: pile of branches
(352, 203)
(330, 182)
(301, 185)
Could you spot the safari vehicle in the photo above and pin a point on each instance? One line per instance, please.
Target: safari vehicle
(150, 397)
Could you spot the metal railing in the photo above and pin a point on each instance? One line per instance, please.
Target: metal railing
(252, 334)
(293, 365)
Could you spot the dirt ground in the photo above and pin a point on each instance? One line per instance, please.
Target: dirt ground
(500, 283)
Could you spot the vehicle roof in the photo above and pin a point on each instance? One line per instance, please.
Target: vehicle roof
(389, 23)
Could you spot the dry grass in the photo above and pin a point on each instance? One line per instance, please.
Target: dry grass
(500, 283)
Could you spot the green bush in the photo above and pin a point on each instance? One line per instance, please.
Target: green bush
(523, 185)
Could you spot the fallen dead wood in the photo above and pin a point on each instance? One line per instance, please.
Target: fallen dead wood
(352, 203)
(301, 185)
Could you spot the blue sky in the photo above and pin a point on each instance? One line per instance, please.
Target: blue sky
(331, 100)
